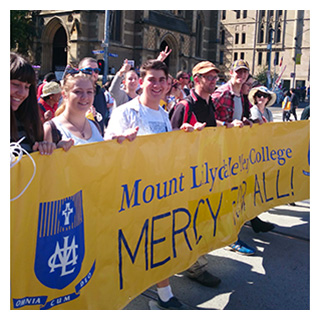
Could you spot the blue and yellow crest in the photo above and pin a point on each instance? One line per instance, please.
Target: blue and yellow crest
(60, 241)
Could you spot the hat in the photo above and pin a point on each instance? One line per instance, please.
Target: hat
(204, 67)
(50, 88)
(240, 64)
(253, 91)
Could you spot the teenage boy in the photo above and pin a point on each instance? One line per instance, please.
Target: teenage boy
(143, 115)
(228, 101)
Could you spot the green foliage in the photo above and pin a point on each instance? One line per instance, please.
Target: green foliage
(22, 30)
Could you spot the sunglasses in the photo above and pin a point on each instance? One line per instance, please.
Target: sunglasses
(261, 94)
(95, 70)
(73, 71)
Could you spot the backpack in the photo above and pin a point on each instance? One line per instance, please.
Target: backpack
(188, 109)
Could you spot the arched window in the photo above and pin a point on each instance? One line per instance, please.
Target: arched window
(59, 50)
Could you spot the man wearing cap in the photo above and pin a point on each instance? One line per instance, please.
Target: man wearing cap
(198, 106)
(228, 99)
(49, 100)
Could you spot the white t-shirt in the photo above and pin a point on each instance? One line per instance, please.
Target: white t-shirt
(133, 114)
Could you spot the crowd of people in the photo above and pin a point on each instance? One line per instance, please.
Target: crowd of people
(78, 111)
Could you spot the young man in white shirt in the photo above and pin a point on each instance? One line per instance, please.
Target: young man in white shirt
(141, 116)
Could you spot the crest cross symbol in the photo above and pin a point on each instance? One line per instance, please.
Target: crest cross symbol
(66, 213)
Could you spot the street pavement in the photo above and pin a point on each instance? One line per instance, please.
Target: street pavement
(277, 277)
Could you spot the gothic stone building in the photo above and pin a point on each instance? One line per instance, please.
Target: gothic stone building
(65, 37)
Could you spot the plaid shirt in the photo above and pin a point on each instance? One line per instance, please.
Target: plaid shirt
(222, 99)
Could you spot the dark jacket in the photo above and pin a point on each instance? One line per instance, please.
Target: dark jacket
(100, 104)
(192, 109)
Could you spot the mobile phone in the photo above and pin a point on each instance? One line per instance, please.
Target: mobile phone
(131, 62)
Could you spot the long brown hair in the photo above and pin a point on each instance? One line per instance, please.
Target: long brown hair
(28, 112)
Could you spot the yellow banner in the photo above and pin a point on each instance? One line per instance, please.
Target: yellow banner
(103, 222)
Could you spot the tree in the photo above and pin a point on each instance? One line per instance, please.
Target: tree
(261, 76)
(22, 30)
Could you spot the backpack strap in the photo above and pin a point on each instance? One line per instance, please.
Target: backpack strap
(56, 134)
(189, 116)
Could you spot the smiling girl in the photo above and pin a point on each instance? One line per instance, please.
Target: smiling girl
(78, 95)
(24, 111)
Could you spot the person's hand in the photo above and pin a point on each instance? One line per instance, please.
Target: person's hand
(65, 144)
(247, 122)
(164, 54)
(187, 127)
(129, 134)
(235, 123)
(48, 115)
(44, 147)
(200, 126)
(125, 67)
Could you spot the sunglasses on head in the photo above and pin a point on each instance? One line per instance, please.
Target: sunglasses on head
(73, 71)
(95, 70)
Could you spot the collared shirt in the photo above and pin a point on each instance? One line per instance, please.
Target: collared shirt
(134, 114)
(193, 109)
(224, 104)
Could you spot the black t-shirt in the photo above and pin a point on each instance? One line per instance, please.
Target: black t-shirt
(193, 108)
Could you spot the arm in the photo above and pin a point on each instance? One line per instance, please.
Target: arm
(118, 94)
(64, 144)
(164, 54)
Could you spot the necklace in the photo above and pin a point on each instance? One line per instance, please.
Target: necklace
(81, 131)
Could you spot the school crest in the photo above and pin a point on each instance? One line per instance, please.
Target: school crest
(60, 241)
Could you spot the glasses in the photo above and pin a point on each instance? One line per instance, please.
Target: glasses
(262, 95)
(210, 78)
(95, 70)
(73, 71)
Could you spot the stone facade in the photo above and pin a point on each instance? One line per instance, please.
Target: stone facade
(246, 34)
(65, 37)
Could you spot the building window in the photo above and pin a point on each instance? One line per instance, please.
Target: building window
(238, 14)
(235, 56)
(199, 33)
(243, 38)
(276, 59)
(115, 25)
(224, 14)
(260, 58)
(278, 34)
(223, 35)
(242, 55)
(261, 34)
(236, 39)
(221, 57)
(244, 13)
